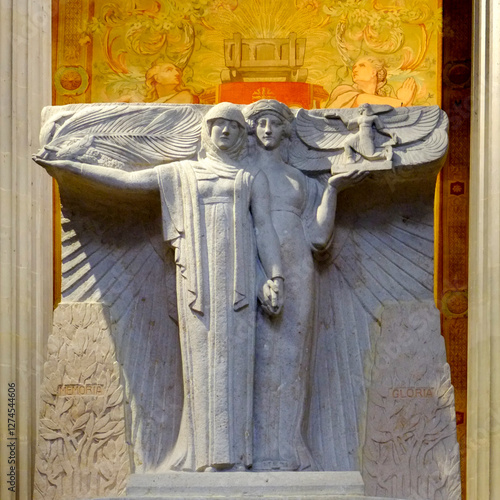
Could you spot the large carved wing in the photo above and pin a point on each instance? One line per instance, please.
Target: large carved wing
(419, 135)
(113, 253)
(123, 135)
(382, 253)
(317, 141)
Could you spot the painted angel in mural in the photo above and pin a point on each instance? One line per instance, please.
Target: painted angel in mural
(369, 75)
(163, 85)
(343, 255)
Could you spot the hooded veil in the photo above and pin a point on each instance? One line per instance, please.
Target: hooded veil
(206, 218)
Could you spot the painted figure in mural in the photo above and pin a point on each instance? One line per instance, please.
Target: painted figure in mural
(303, 214)
(164, 84)
(216, 216)
(369, 75)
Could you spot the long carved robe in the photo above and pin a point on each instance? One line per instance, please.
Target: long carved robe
(284, 342)
(206, 218)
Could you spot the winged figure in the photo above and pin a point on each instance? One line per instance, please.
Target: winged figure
(381, 252)
(372, 137)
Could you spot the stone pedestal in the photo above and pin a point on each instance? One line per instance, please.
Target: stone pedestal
(248, 485)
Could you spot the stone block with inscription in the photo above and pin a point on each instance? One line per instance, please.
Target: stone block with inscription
(82, 447)
(411, 448)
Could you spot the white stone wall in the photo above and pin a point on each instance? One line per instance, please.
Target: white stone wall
(483, 392)
(25, 229)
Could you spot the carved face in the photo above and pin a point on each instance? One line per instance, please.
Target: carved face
(269, 130)
(168, 74)
(364, 71)
(224, 133)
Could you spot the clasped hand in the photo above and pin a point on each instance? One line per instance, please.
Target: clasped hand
(271, 295)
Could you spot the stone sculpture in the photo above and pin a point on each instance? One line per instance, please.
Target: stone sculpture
(206, 218)
(303, 213)
(368, 135)
(288, 390)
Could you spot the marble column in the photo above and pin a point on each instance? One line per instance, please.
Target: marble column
(483, 439)
(25, 233)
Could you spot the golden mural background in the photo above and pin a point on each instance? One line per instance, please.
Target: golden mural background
(205, 50)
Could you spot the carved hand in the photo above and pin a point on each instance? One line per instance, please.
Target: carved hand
(340, 182)
(48, 165)
(272, 295)
(53, 166)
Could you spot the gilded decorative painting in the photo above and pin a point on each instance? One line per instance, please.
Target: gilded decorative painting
(309, 53)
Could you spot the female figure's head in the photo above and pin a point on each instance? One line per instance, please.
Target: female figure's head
(270, 122)
(261, 113)
(224, 133)
(369, 74)
(164, 74)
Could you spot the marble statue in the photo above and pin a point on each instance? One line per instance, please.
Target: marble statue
(206, 208)
(373, 135)
(303, 214)
(240, 283)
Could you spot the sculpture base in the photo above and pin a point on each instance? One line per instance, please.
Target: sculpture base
(248, 485)
(362, 166)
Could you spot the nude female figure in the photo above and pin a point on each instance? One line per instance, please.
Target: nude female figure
(303, 214)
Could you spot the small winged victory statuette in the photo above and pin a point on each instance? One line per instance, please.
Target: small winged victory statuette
(371, 137)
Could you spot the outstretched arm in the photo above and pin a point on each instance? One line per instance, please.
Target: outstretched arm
(268, 245)
(143, 180)
(325, 214)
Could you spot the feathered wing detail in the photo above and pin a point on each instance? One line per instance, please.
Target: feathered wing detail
(122, 265)
(379, 255)
(416, 136)
(412, 124)
(320, 132)
(132, 135)
(425, 151)
(312, 160)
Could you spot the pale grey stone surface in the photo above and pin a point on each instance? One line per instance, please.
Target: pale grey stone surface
(82, 446)
(342, 259)
(255, 485)
(411, 447)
